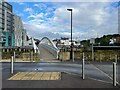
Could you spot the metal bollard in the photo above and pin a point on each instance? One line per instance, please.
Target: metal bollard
(14, 55)
(73, 56)
(114, 73)
(116, 58)
(92, 53)
(83, 64)
(62, 56)
(100, 57)
(12, 64)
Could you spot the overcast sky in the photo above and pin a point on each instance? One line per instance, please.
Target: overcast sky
(90, 19)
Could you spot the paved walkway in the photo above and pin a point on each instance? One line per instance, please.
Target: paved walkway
(45, 54)
(67, 81)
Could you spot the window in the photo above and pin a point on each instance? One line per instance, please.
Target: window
(0, 24)
(0, 6)
(9, 23)
(0, 21)
(9, 19)
(7, 6)
(0, 15)
(3, 11)
(0, 2)
(0, 11)
(8, 27)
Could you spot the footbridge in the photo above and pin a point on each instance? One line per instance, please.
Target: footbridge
(47, 49)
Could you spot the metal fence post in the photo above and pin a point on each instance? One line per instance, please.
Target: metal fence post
(114, 73)
(12, 64)
(83, 66)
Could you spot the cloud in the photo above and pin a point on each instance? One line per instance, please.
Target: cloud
(89, 20)
(21, 3)
(40, 6)
(36, 5)
(29, 10)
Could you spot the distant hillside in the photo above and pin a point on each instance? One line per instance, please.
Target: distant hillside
(103, 41)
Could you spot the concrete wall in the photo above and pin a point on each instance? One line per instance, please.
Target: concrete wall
(63, 56)
(20, 54)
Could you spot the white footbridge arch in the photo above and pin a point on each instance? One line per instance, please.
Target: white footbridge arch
(47, 49)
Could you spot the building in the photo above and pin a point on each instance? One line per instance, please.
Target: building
(112, 41)
(65, 42)
(11, 27)
(6, 24)
(118, 40)
(18, 32)
(24, 37)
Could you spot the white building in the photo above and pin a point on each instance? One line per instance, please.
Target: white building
(65, 42)
(112, 41)
(18, 30)
(24, 38)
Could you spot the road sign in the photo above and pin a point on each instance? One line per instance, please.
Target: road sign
(92, 40)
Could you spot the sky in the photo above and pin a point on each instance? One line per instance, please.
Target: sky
(51, 19)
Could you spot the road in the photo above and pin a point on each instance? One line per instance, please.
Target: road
(107, 68)
(90, 70)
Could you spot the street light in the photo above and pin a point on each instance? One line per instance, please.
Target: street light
(71, 56)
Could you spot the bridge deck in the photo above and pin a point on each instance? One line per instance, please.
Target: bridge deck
(45, 54)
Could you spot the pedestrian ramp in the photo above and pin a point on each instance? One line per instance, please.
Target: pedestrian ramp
(36, 76)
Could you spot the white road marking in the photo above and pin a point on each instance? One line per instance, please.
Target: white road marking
(104, 73)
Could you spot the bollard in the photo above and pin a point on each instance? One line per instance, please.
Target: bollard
(92, 53)
(114, 73)
(83, 64)
(12, 64)
(100, 58)
(116, 58)
(62, 56)
(14, 55)
(73, 56)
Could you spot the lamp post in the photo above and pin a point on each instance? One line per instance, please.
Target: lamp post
(71, 52)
